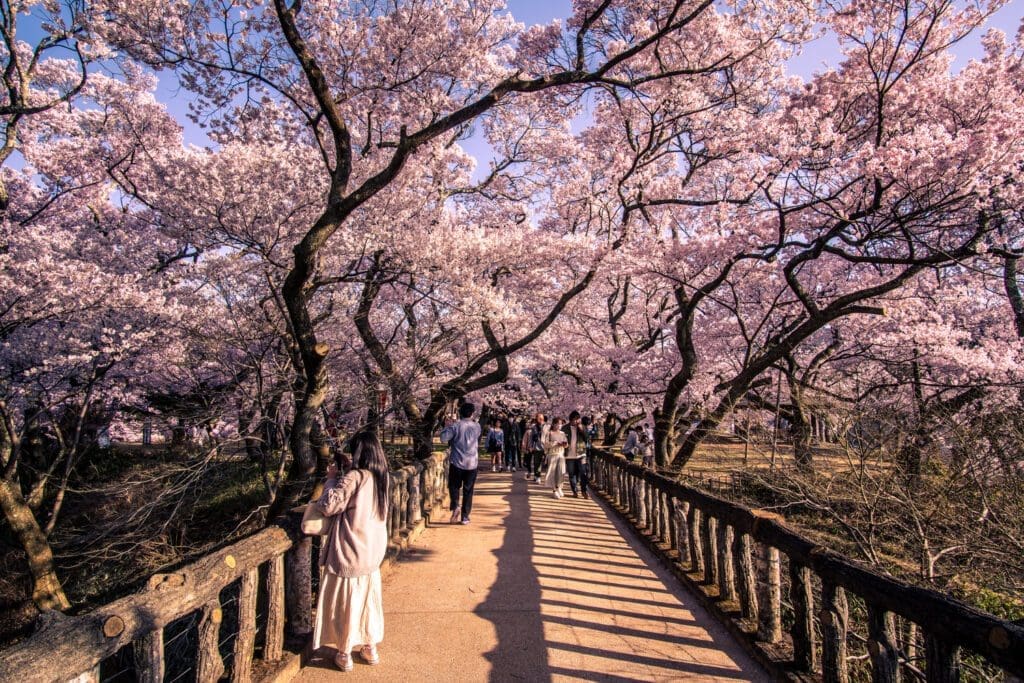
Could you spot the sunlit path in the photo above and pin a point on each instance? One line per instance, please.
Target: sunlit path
(540, 589)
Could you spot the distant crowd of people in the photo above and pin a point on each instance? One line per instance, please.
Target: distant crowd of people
(551, 454)
(353, 507)
(562, 447)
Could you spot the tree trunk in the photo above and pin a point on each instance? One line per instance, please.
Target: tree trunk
(310, 390)
(801, 429)
(422, 434)
(664, 435)
(612, 428)
(46, 589)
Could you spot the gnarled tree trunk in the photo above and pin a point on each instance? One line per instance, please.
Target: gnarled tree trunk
(47, 592)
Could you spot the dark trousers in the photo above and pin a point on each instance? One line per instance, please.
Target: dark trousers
(464, 481)
(533, 461)
(512, 458)
(576, 469)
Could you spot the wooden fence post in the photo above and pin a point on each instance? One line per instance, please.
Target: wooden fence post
(834, 618)
(746, 578)
(241, 667)
(681, 537)
(709, 539)
(665, 519)
(885, 663)
(694, 523)
(415, 496)
(801, 595)
(273, 648)
(942, 659)
(148, 653)
(209, 665)
(652, 507)
(769, 594)
(726, 567)
(299, 586)
(641, 503)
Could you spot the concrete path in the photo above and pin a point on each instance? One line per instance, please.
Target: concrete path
(538, 589)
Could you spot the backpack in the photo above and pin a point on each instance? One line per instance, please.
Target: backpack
(536, 442)
(495, 441)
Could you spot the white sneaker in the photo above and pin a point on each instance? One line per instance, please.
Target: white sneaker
(554, 493)
(343, 661)
(369, 654)
(559, 492)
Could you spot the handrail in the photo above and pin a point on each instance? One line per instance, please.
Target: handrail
(71, 648)
(736, 549)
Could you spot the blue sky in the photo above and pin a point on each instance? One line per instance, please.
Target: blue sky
(816, 56)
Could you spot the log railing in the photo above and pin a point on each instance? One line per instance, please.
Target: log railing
(272, 568)
(736, 555)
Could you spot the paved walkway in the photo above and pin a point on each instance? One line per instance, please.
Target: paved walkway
(538, 589)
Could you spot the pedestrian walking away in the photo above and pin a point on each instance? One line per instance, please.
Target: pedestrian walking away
(555, 444)
(463, 461)
(350, 608)
(496, 445)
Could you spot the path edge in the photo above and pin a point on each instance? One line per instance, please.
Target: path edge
(773, 665)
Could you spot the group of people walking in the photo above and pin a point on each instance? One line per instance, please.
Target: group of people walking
(564, 447)
(350, 615)
(561, 446)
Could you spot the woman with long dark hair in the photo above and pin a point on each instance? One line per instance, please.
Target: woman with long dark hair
(350, 611)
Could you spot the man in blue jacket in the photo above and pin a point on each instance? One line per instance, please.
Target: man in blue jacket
(463, 461)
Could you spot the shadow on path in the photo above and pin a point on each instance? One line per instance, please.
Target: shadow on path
(541, 589)
(513, 602)
(591, 602)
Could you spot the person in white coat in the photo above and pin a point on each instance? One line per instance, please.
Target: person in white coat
(555, 443)
(350, 610)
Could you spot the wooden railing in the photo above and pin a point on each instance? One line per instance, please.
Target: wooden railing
(737, 555)
(272, 568)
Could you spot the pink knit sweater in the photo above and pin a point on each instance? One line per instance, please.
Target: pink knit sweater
(358, 538)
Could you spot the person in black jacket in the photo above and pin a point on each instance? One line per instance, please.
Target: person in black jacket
(513, 435)
(576, 455)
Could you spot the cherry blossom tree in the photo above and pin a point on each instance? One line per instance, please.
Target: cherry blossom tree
(369, 90)
(84, 309)
(850, 191)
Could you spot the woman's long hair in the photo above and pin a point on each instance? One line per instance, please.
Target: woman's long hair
(368, 454)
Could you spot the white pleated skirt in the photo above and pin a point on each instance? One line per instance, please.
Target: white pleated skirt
(556, 472)
(349, 612)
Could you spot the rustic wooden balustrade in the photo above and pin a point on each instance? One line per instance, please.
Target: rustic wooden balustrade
(274, 564)
(737, 553)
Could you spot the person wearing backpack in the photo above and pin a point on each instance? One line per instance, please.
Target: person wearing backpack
(533, 447)
(496, 445)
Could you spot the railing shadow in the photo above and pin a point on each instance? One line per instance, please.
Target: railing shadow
(572, 598)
